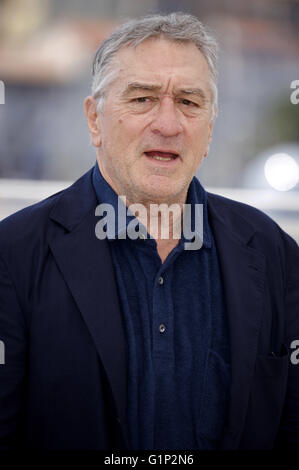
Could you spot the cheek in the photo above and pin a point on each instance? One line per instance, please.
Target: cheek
(200, 135)
(197, 143)
(121, 137)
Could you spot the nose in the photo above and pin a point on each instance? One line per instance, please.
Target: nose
(166, 121)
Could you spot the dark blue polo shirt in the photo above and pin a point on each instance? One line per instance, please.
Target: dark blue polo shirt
(177, 335)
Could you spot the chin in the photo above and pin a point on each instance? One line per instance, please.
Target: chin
(159, 193)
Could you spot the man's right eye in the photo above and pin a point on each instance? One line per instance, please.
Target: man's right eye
(142, 104)
(141, 99)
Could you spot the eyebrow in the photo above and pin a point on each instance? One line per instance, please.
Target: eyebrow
(133, 86)
(194, 91)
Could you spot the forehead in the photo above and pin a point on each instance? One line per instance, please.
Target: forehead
(162, 59)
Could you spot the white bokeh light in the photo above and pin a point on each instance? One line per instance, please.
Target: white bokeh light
(281, 171)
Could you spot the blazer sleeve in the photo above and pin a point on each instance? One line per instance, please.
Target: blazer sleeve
(288, 436)
(12, 363)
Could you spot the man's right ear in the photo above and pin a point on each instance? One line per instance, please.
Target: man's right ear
(93, 121)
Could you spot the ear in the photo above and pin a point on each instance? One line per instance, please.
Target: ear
(211, 126)
(93, 121)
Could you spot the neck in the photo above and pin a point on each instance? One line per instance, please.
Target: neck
(163, 222)
(162, 219)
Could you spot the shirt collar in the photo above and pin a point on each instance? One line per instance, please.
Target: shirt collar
(196, 195)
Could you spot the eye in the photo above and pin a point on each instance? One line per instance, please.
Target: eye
(141, 104)
(141, 99)
(188, 102)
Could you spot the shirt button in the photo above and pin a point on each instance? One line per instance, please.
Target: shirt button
(161, 280)
(162, 328)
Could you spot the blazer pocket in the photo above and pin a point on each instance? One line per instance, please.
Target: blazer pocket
(272, 366)
(266, 400)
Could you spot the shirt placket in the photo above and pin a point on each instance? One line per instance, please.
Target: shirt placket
(163, 310)
(162, 316)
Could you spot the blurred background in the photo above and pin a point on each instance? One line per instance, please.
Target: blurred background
(46, 51)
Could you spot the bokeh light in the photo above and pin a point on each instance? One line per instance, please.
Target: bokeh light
(281, 171)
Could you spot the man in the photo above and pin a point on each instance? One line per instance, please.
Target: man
(137, 342)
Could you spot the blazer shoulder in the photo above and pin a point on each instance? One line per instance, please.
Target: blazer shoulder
(237, 213)
(226, 205)
(32, 220)
(31, 216)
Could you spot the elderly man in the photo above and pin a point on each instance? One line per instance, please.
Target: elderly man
(146, 342)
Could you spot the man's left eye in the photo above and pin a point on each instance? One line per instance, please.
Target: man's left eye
(188, 102)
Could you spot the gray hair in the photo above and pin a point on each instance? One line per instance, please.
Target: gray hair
(180, 27)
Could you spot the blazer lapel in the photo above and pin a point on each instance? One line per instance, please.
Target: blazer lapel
(242, 269)
(86, 265)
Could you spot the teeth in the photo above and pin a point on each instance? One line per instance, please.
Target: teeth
(156, 157)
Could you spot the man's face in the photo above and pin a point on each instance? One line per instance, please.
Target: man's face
(155, 125)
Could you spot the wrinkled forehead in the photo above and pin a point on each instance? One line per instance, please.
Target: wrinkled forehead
(163, 59)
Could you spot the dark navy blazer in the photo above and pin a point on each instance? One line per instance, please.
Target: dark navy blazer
(64, 381)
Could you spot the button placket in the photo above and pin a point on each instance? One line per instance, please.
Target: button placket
(162, 316)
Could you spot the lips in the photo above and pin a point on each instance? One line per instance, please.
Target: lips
(161, 155)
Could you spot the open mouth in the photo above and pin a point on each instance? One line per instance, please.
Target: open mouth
(161, 156)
